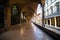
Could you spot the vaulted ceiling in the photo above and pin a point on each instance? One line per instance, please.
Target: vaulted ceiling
(27, 6)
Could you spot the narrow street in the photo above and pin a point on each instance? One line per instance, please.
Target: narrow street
(26, 31)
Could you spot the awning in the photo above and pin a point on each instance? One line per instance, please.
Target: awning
(53, 15)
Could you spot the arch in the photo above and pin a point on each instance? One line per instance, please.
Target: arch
(15, 15)
(39, 9)
(57, 6)
(57, 3)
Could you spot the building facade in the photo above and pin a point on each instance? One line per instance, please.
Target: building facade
(52, 13)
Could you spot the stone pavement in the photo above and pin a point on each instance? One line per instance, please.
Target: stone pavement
(26, 31)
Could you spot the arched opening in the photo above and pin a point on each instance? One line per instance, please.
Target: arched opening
(38, 15)
(39, 9)
(48, 22)
(15, 15)
(57, 6)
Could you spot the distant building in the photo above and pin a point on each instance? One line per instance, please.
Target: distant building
(52, 13)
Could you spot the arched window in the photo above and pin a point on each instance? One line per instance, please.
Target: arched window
(57, 6)
(51, 9)
(15, 15)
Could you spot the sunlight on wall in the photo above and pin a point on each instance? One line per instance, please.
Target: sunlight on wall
(37, 18)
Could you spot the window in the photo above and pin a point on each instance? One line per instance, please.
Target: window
(51, 9)
(57, 6)
(46, 3)
(54, 9)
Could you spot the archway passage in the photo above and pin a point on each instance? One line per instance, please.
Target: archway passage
(13, 8)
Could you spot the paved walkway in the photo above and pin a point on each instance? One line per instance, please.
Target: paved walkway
(26, 31)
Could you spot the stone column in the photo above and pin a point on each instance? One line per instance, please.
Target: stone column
(47, 21)
(8, 18)
(50, 21)
(55, 22)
